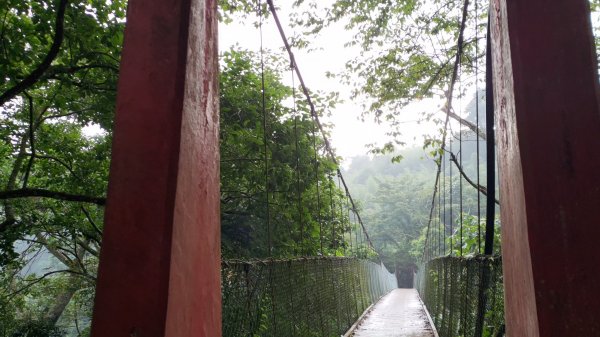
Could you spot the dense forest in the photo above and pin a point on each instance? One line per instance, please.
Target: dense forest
(59, 61)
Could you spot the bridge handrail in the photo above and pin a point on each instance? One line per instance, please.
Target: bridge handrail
(306, 296)
(464, 295)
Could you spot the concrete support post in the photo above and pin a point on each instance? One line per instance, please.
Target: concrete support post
(548, 138)
(159, 269)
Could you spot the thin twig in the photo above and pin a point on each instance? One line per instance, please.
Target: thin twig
(65, 114)
(480, 133)
(38, 280)
(91, 221)
(68, 167)
(38, 192)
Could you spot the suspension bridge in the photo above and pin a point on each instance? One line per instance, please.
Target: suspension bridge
(161, 273)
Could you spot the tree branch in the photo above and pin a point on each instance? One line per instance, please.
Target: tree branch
(38, 192)
(87, 248)
(55, 252)
(61, 301)
(64, 115)
(435, 77)
(468, 124)
(80, 255)
(92, 222)
(61, 162)
(9, 213)
(39, 279)
(59, 69)
(4, 30)
(35, 75)
(480, 188)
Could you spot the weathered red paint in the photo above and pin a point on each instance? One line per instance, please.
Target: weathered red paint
(159, 269)
(548, 128)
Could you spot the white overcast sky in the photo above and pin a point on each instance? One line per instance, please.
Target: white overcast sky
(349, 135)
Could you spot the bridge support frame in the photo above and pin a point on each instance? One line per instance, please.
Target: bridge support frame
(548, 138)
(159, 271)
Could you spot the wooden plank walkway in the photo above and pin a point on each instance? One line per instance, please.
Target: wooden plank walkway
(398, 314)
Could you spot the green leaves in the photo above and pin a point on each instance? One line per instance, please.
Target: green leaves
(396, 199)
(472, 235)
(407, 49)
(44, 144)
(291, 169)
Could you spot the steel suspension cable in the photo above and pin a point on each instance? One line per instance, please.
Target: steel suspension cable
(491, 151)
(440, 243)
(360, 235)
(319, 220)
(444, 199)
(436, 248)
(451, 204)
(490, 164)
(332, 211)
(342, 221)
(460, 153)
(356, 241)
(297, 146)
(315, 116)
(265, 137)
(477, 125)
(448, 106)
(266, 162)
(349, 223)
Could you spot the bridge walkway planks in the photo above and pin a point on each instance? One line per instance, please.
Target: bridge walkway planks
(400, 313)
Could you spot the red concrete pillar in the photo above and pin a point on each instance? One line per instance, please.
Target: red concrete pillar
(548, 136)
(159, 269)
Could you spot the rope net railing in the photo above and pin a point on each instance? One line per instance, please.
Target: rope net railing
(305, 297)
(464, 295)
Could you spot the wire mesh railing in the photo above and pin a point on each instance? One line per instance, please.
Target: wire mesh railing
(464, 295)
(304, 297)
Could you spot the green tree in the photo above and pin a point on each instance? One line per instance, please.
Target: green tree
(59, 61)
(288, 164)
(395, 199)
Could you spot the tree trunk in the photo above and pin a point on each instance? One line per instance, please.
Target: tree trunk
(62, 300)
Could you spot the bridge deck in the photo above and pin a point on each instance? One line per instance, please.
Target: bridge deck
(398, 314)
